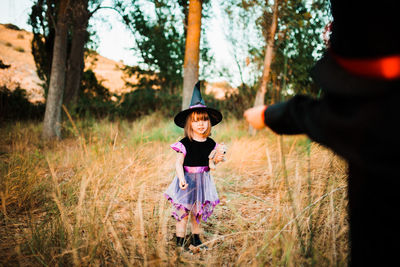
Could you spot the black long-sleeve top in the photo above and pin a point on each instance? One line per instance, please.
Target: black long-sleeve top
(357, 117)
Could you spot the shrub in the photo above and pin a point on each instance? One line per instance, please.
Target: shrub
(234, 104)
(12, 27)
(20, 49)
(14, 105)
(94, 99)
(137, 103)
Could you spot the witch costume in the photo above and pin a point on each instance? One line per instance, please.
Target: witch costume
(357, 116)
(200, 197)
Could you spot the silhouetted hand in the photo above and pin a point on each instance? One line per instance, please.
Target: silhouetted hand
(255, 116)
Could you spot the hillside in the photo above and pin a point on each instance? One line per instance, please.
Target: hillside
(15, 50)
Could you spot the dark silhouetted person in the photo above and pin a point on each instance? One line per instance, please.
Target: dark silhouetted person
(357, 116)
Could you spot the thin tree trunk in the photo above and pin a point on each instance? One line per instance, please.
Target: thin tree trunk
(269, 51)
(52, 116)
(76, 57)
(273, 92)
(192, 52)
(277, 85)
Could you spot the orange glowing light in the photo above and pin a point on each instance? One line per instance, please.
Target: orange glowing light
(381, 68)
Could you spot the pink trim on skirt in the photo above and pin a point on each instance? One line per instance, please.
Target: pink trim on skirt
(197, 169)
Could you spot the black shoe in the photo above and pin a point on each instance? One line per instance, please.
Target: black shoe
(179, 241)
(197, 242)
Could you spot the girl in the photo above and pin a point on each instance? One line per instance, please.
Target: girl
(193, 190)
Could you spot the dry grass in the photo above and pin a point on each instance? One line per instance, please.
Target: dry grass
(95, 198)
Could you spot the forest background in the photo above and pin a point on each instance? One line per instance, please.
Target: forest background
(91, 193)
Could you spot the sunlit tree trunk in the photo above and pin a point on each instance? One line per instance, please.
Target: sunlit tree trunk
(192, 51)
(76, 58)
(269, 51)
(52, 116)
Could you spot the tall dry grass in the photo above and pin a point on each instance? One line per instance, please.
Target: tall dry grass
(95, 198)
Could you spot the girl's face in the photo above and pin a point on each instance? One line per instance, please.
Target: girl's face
(200, 127)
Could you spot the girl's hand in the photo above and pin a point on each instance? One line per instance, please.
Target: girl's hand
(219, 157)
(220, 153)
(182, 184)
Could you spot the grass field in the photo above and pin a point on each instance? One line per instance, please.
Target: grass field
(95, 198)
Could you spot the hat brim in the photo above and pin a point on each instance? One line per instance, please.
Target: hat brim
(214, 115)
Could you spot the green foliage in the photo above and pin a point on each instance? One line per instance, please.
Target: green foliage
(96, 102)
(245, 37)
(146, 101)
(235, 103)
(160, 41)
(298, 41)
(94, 99)
(14, 105)
(42, 18)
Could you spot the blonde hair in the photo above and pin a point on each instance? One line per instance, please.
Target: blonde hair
(200, 115)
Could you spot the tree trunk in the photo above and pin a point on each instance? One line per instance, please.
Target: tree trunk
(269, 50)
(192, 51)
(277, 85)
(52, 116)
(76, 57)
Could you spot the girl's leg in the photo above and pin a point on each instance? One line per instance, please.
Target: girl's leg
(196, 227)
(180, 231)
(181, 227)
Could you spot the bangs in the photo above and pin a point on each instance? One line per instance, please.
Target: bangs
(200, 116)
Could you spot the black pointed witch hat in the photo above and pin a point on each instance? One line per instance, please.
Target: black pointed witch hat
(196, 104)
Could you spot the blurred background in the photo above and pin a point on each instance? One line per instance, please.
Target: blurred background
(134, 53)
(88, 90)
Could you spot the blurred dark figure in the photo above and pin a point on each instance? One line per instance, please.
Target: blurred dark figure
(357, 117)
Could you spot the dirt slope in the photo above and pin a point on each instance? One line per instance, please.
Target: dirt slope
(15, 50)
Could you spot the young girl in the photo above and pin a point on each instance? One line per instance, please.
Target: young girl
(193, 190)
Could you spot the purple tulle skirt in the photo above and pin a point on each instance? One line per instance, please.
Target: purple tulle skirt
(200, 197)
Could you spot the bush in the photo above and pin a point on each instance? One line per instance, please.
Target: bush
(146, 101)
(234, 104)
(96, 102)
(19, 49)
(12, 27)
(14, 105)
(94, 99)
